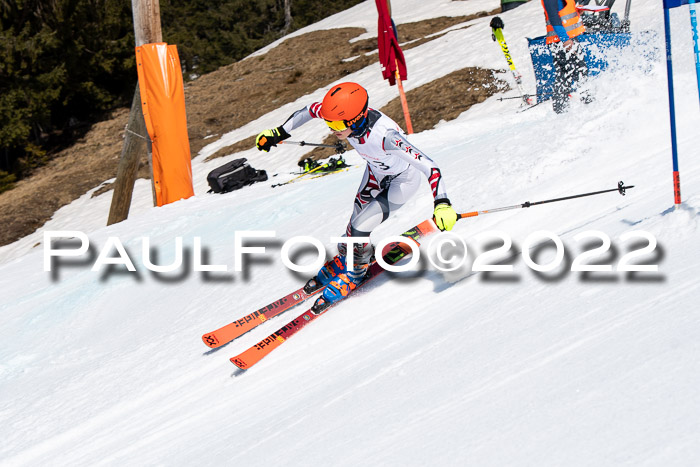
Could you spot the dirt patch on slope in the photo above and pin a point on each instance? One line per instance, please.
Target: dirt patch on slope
(229, 98)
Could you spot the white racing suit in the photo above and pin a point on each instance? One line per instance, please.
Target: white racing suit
(391, 177)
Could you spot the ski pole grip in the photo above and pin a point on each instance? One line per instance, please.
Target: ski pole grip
(339, 148)
(464, 215)
(621, 188)
(497, 23)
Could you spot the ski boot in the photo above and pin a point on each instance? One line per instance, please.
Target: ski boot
(340, 287)
(326, 274)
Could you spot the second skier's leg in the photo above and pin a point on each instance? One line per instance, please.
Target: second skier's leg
(397, 191)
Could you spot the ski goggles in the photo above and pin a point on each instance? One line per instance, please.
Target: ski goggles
(337, 125)
(355, 124)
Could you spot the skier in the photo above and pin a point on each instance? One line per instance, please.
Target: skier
(564, 25)
(391, 177)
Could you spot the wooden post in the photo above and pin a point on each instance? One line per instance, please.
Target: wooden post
(135, 140)
(147, 30)
(146, 22)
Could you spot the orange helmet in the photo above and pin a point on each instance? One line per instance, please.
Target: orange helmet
(345, 106)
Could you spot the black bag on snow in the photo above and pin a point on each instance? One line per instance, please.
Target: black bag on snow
(233, 176)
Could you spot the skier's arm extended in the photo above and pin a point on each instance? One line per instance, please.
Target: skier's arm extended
(269, 138)
(302, 116)
(396, 144)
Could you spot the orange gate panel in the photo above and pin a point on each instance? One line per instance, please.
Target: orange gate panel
(163, 104)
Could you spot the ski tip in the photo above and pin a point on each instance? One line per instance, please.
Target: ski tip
(210, 340)
(240, 363)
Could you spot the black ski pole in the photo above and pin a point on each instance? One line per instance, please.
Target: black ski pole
(525, 95)
(339, 147)
(620, 189)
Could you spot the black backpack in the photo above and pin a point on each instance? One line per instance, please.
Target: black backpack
(233, 176)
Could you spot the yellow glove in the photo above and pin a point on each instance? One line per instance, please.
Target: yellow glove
(444, 215)
(269, 138)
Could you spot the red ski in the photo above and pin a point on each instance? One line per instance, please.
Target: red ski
(393, 254)
(232, 331)
(236, 329)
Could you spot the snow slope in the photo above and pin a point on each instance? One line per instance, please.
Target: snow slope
(509, 368)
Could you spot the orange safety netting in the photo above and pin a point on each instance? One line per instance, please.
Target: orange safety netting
(163, 104)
